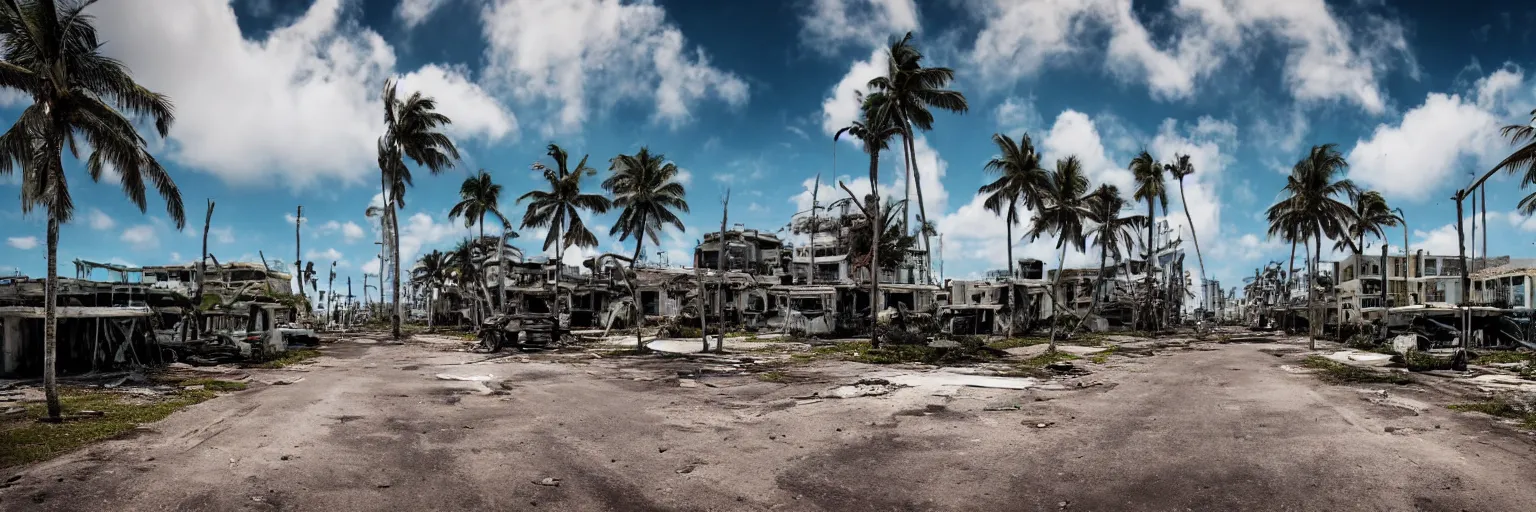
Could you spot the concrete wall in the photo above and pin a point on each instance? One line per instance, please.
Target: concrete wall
(10, 344)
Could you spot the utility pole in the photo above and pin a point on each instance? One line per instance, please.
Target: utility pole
(330, 287)
(347, 318)
(941, 258)
(698, 276)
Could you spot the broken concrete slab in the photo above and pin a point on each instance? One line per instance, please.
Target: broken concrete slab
(1495, 382)
(672, 346)
(1035, 350)
(1360, 358)
(939, 379)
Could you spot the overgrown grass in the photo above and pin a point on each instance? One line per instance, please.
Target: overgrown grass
(1501, 409)
(1338, 373)
(1008, 343)
(292, 357)
(1495, 357)
(1047, 358)
(1101, 357)
(24, 440)
(215, 384)
(773, 376)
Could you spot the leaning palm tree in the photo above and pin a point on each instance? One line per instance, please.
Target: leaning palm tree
(413, 128)
(1151, 188)
(912, 90)
(1062, 213)
(1312, 208)
(875, 134)
(1180, 168)
(559, 210)
(1522, 159)
(645, 187)
(51, 54)
(1110, 232)
(1020, 178)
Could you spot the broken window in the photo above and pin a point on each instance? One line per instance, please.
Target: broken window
(806, 304)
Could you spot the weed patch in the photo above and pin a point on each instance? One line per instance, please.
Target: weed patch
(24, 439)
(1496, 357)
(1502, 409)
(215, 384)
(1018, 342)
(1101, 357)
(1338, 373)
(773, 376)
(291, 357)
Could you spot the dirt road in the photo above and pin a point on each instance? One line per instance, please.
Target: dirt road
(1219, 427)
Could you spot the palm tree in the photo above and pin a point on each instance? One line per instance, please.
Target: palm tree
(912, 89)
(1019, 178)
(1312, 209)
(431, 272)
(645, 186)
(479, 196)
(1523, 157)
(559, 210)
(1372, 216)
(412, 129)
(1286, 228)
(1062, 213)
(875, 134)
(1180, 168)
(1150, 188)
(1109, 231)
(51, 53)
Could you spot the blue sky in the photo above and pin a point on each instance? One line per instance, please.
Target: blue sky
(277, 107)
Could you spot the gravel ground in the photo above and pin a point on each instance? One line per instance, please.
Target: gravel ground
(1204, 427)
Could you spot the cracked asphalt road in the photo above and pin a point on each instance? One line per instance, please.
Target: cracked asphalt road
(1211, 427)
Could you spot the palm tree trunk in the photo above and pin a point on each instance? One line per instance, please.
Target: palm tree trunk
(554, 307)
(1151, 258)
(1290, 279)
(1055, 295)
(876, 218)
(1097, 291)
(501, 270)
(394, 280)
(1204, 301)
(1012, 315)
(906, 191)
(1312, 320)
(50, 324)
(922, 210)
(640, 240)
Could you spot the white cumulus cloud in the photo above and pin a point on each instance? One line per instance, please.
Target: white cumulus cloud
(24, 243)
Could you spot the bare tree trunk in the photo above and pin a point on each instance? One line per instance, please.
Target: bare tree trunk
(698, 276)
(50, 324)
(298, 260)
(725, 211)
(554, 307)
(202, 269)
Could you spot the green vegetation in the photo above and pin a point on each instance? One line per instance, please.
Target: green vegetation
(291, 357)
(214, 384)
(1048, 358)
(1419, 361)
(1504, 357)
(24, 439)
(1008, 343)
(1101, 357)
(773, 376)
(1502, 409)
(1338, 373)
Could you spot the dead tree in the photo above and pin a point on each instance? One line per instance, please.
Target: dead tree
(197, 295)
(725, 210)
